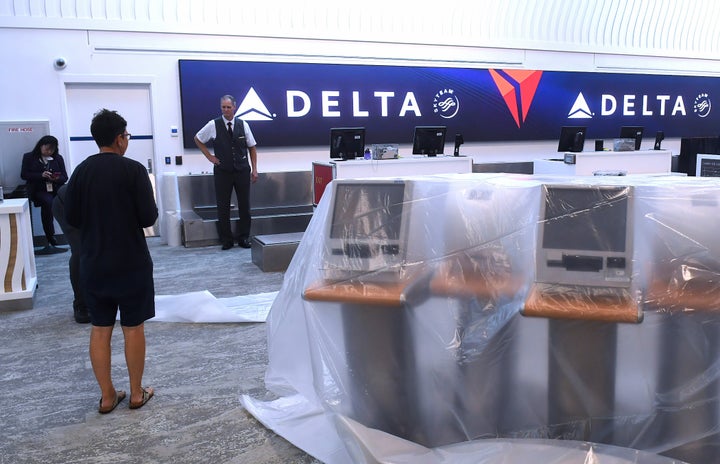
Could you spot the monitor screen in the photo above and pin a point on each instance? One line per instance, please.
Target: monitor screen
(584, 219)
(632, 132)
(572, 138)
(429, 140)
(585, 236)
(367, 211)
(690, 147)
(707, 165)
(347, 142)
(367, 227)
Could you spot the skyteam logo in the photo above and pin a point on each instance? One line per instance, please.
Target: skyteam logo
(446, 103)
(702, 105)
(252, 108)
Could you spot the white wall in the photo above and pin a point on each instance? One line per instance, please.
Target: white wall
(142, 40)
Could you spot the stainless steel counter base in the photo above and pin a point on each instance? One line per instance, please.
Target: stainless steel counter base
(281, 203)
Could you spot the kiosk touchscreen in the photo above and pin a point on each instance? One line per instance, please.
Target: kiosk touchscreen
(707, 165)
(585, 236)
(584, 254)
(368, 225)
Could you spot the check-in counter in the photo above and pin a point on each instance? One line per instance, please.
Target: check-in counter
(280, 203)
(591, 163)
(326, 171)
(17, 259)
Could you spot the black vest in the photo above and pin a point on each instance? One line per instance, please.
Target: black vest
(232, 153)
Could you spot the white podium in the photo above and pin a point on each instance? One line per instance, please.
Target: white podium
(326, 171)
(17, 260)
(588, 163)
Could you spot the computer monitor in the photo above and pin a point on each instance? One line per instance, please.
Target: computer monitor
(707, 165)
(347, 142)
(690, 147)
(585, 235)
(429, 140)
(368, 226)
(632, 132)
(572, 138)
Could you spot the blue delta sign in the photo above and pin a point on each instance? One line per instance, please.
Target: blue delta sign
(296, 104)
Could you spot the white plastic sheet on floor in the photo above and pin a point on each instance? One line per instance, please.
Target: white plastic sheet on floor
(432, 360)
(204, 307)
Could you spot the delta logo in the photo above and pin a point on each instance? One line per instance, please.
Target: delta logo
(252, 108)
(446, 104)
(641, 105)
(517, 88)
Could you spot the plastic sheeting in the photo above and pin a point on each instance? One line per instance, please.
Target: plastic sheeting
(204, 307)
(483, 317)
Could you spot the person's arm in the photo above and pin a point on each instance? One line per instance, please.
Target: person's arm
(145, 205)
(203, 136)
(71, 202)
(204, 149)
(63, 177)
(27, 173)
(252, 151)
(253, 164)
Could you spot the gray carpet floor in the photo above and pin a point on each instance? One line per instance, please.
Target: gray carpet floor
(49, 396)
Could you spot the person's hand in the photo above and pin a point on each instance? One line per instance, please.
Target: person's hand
(214, 160)
(47, 175)
(253, 177)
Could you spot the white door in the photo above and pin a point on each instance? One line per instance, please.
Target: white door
(131, 101)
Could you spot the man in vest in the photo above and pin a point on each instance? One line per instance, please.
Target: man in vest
(233, 143)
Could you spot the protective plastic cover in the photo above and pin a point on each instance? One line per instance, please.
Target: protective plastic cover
(417, 322)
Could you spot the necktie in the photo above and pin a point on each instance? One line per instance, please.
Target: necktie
(230, 132)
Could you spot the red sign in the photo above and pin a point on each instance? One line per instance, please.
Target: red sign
(322, 175)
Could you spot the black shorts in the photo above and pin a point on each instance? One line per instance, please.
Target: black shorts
(133, 295)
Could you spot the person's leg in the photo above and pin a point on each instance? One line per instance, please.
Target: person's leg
(48, 220)
(80, 310)
(100, 356)
(223, 191)
(242, 190)
(135, 359)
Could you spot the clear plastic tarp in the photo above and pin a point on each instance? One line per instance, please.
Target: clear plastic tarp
(502, 318)
(203, 307)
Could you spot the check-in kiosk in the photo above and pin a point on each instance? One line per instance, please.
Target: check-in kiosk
(418, 270)
(375, 255)
(583, 275)
(450, 308)
(678, 221)
(584, 254)
(464, 330)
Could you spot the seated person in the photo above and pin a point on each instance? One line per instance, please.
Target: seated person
(43, 170)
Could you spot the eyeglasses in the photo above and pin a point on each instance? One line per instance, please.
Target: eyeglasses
(127, 135)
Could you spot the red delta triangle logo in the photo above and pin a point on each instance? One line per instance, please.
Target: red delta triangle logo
(517, 88)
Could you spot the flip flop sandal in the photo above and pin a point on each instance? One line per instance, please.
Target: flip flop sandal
(146, 397)
(119, 396)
